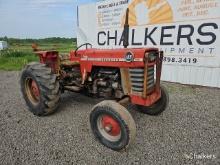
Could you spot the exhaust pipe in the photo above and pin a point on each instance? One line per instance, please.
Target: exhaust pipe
(126, 30)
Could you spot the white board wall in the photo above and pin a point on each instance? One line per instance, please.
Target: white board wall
(86, 24)
(204, 76)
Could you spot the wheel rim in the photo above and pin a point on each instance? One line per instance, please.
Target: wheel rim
(32, 91)
(109, 128)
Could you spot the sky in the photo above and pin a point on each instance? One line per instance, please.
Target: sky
(39, 18)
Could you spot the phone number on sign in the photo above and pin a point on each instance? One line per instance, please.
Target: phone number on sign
(180, 60)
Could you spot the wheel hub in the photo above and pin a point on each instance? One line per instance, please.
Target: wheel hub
(108, 128)
(35, 89)
(32, 90)
(110, 125)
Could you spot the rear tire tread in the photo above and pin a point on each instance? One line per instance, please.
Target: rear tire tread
(48, 86)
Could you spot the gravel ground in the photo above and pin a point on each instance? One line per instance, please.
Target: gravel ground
(187, 131)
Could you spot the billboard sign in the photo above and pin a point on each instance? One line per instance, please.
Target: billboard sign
(186, 30)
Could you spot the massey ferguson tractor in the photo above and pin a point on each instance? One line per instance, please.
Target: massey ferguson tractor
(120, 76)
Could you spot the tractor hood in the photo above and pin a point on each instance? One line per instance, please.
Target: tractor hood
(127, 54)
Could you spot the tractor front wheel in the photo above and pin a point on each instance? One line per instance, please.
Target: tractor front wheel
(112, 125)
(40, 89)
(157, 107)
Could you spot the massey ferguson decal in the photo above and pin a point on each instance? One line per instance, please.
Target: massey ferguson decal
(128, 58)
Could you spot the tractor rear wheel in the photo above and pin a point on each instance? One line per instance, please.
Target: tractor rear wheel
(157, 107)
(112, 125)
(40, 89)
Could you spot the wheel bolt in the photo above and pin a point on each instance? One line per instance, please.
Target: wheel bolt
(108, 128)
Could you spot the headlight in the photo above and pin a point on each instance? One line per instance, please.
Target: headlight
(151, 56)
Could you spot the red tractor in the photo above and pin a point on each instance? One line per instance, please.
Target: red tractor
(118, 75)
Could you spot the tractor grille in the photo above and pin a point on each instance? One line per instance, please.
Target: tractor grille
(137, 79)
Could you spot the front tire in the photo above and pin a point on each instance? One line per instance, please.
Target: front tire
(40, 89)
(112, 125)
(158, 107)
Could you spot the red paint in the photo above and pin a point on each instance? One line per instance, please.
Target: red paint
(150, 100)
(49, 58)
(108, 121)
(109, 53)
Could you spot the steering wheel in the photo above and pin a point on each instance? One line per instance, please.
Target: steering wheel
(86, 44)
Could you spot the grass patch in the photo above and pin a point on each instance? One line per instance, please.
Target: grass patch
(15, 60)
(19, 55)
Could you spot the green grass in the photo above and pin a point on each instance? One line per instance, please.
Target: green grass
(18, 63)
(15, 60)
(18, 55)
